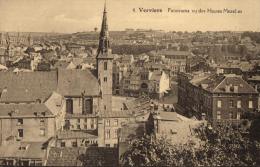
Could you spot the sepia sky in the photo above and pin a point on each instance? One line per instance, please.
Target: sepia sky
(84, 15)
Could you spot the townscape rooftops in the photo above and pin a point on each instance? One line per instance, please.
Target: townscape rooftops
(137, 104)
(24, 110)
(91, 156)
(174, 53)
(223, 84)
(66, 156)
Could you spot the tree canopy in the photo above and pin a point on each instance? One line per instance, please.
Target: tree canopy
(225, 145)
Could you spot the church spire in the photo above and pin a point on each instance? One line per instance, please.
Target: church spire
(104, 37)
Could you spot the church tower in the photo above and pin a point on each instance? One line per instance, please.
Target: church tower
(104, 66)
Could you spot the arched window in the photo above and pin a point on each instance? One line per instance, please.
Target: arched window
(69, 106)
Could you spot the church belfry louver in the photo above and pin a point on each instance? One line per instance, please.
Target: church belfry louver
(104, 65)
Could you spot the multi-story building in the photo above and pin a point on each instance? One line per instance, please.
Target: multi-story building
(139, 81)
(177, 60)
(216, 98)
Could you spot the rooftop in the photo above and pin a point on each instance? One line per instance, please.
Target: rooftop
(24, 110)
(33, 86)
(68, 134)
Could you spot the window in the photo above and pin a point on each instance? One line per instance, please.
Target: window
(107, 134)
(238, 115)
(74, 144)
(20, 121)
(86, 120)
(115, 133)
(115, 122)
(85, 126)
(78, 126)
(218, 115)
(105, 79)
(88, 106)
(107, 145)
(78, 120)
(92, 124)
(219, 103)
(239, 104)
(231, 103)
(69, 106)
(42, 132)
(67, 125)
(105, 107)
(105, 65)
(230, 115)
(20, 133)
(107, 123)
(250, 104)
(62, 144)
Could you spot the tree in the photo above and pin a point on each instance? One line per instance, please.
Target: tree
(225, 145)
(149, 151)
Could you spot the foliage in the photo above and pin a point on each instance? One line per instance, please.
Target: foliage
(255, 36)
(225, 145)
(148, 151)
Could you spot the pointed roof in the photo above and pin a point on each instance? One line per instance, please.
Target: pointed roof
(103, 48)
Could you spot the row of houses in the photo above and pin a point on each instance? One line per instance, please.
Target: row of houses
(216, 97)
(51, 117)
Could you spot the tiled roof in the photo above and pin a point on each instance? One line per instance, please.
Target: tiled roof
(243, 86)
(218, 83)
(137, 104)
(18, 110)
(68, 134)
(100, 156)
(27, 86)
(64, 156)
(75, 82)
(89, 157)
